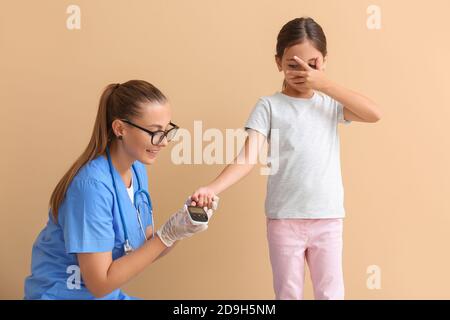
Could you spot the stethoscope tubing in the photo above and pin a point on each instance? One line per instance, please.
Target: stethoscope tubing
(127, 245)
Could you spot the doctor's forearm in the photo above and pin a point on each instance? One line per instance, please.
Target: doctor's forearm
(127, 267)
(167, 250)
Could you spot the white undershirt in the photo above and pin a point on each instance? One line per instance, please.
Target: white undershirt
(131, 191)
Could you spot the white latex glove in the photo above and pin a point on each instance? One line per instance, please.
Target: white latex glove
(179, 225)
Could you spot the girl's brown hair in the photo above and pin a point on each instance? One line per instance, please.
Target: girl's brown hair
(297, 31)
(118, 101)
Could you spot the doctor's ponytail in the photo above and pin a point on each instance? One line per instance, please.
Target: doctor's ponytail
(117, 101)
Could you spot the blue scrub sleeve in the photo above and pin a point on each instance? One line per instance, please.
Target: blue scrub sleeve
(86, 217)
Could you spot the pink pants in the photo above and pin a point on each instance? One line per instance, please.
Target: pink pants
(319, 242)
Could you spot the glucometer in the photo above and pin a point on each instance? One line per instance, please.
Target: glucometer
(197, 215)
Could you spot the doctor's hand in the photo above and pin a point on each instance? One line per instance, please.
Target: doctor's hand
(179, 226)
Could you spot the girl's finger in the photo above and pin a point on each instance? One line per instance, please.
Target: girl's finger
(204, 201)
(302, 63)
(209, 203)
(294, 76)
(297, 73)
(297, 79)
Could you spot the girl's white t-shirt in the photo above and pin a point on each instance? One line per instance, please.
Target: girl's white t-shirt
(306, 181)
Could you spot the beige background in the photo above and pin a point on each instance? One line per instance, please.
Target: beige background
(214, 59)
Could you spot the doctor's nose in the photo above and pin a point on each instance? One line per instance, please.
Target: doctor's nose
(164, 142)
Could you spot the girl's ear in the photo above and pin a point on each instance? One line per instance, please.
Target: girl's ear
(278, 62)
(324, 63)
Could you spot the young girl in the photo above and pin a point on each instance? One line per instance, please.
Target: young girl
(99, 233)
(304, 202)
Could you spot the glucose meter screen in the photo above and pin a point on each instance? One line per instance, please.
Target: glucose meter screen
(198, 213)
(197, 210)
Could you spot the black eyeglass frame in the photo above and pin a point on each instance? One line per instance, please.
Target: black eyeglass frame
(153, 133)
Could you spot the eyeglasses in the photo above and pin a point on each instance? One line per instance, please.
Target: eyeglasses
(157, 136)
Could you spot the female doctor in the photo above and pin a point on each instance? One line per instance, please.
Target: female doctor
(99, 233)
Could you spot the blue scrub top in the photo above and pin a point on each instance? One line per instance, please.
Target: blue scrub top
(88, 221)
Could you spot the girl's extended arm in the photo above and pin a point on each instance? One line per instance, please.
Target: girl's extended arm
(233, 172)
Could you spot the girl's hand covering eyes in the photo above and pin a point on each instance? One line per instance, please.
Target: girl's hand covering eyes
(308, 78)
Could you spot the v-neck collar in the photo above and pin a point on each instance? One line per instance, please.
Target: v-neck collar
(122, 188)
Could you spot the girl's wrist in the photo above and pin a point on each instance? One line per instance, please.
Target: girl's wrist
(212, 186)
(326, 86)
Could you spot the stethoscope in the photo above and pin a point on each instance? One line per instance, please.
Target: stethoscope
(127, 245)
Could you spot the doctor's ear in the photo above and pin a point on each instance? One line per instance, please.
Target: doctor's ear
(118, 128)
